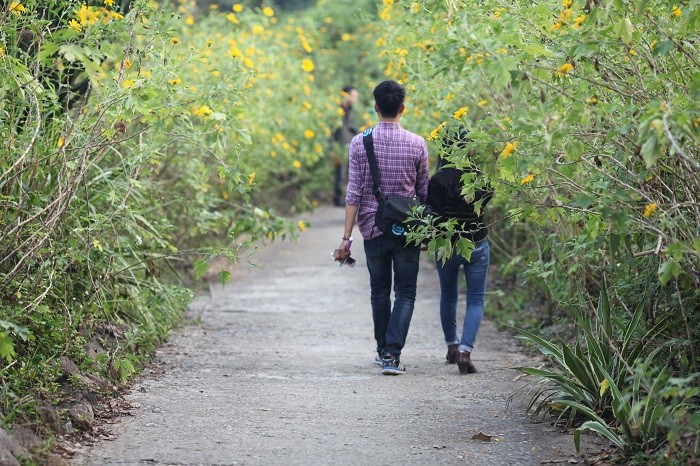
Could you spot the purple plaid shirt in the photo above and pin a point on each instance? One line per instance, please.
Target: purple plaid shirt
(402, 158)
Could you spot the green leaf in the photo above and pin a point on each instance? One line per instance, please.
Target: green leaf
(604, 310)
(603, 429)
(200, 269)
(623, 29)
(650, 151)
(537, 50)
(224, 277)
(7, 350)
(668, 270)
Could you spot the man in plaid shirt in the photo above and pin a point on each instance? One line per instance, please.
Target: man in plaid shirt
(402, 158)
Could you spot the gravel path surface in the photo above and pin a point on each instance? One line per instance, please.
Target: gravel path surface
(280, 371)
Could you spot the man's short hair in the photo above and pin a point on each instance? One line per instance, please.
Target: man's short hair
(347, 89)
(389, 96)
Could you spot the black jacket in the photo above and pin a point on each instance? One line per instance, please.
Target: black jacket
(445, 199)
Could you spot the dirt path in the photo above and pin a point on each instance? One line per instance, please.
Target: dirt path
(280, 372)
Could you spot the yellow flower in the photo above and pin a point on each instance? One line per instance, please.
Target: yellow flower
(2, 51)
(248, 62)
(232, 18)
(128, 84)
(567, 3)
(189, 20)
(508, 150)
(483, 102)
(677, 12)
(237, 7)
(650, 209)
(127, 63)
(328, 20)
(460, 113)
(346, 37)
(257, 29)
(592, 101)
(73, 24)
(175, 41)
(269, 12)
(204, 111)
(578, 21)
(145, 73)
(436, 132)
(96, 244)
(385, 14)
(309, 134)
(556, 26)
(564, 69)
(696, 122)
(60, 142)
(17, 8)
(527, 179)
(175, 82)
(208, 42)
(307, 65)
(415, 8)
(301, 225)
(296, 164)
(251, 179)
(109, 2)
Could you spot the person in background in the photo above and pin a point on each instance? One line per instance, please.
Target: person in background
(340, 140)
(402, 159)
(445, 199)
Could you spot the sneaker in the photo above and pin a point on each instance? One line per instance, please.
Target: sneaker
(378, 361)
(392, 366)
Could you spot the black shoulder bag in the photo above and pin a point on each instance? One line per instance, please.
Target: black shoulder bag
(392, 211)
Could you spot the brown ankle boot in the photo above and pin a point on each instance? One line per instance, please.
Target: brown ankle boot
(451, 354)
(464, 363)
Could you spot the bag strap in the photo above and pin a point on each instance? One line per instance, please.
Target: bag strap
(373, 168)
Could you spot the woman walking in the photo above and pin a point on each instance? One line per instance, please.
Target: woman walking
(446, 200)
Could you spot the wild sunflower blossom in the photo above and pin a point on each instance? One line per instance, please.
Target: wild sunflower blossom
(650, 209)
(17, 8)
(307, 65)
(564, 69)
(204, 111)
(460, 113)
(436, 132)
(529, 178)
(309, 134)
(269, 12)
(301, 225)
(296, 164)
(508, 150)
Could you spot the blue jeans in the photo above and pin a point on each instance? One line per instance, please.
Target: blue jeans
(391, 326)
(475, 271)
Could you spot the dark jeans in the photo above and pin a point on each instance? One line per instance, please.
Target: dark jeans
(391, 326)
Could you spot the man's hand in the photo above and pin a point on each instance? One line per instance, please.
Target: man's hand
(343, 251)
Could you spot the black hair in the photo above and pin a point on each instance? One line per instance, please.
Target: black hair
(349, 88)
(389, 96)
